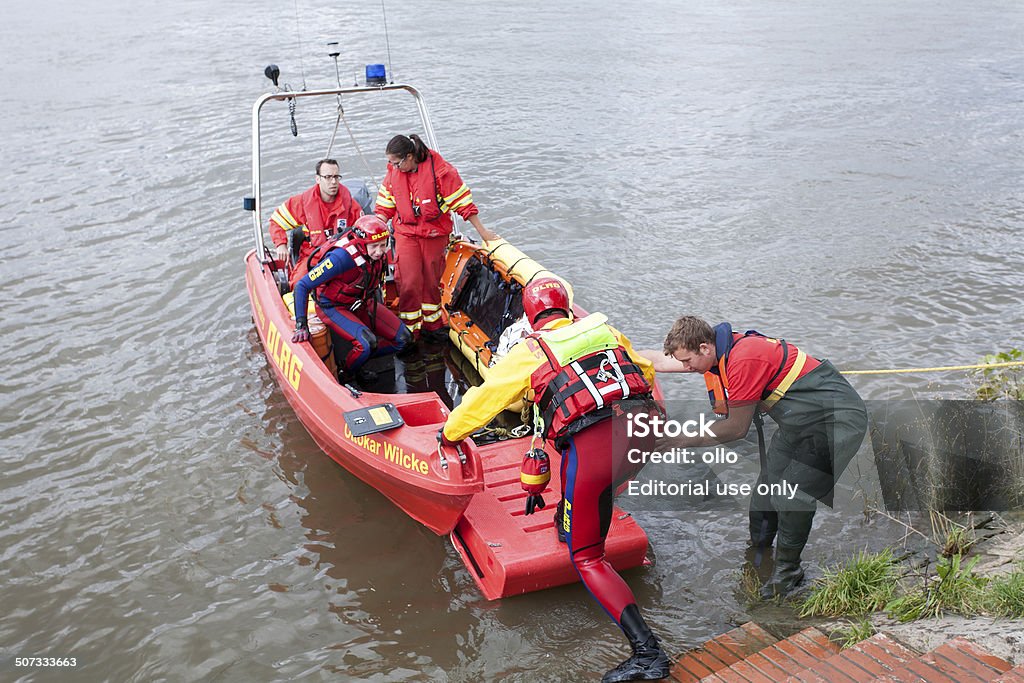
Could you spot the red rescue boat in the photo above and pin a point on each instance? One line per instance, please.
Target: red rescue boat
(388, 439)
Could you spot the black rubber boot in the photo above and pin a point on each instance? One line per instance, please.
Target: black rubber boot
(649, 662)
(410, 350)
(559, 526)
(438, 336)
(787, 575)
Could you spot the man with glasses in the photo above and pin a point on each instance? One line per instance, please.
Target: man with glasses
(323, 210)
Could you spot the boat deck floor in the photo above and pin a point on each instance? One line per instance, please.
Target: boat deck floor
(427, 367)
(506, 552)
(510, 553)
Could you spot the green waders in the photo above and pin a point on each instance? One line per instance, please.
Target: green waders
(821, 425)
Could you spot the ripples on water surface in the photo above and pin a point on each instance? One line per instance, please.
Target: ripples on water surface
(846, 176)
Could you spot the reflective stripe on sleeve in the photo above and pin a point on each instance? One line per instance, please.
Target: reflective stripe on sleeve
(283, 217)
(385, 199)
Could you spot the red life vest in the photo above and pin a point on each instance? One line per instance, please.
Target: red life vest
(418, 199)
(355, 284)
(580, 392)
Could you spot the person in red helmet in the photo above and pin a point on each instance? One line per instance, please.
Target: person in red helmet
(346, 273)
(418, 195)
(323, 210)
(578, 374)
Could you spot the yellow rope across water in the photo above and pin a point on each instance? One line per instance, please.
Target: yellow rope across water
(977, 366)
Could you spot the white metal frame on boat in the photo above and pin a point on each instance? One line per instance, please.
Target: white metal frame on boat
(257, 210)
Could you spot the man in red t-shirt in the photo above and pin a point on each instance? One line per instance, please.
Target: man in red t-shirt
(821, 424)
(323, 210)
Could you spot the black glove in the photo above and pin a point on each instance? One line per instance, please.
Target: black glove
(443, 440)
(534, 502)
(301, 331)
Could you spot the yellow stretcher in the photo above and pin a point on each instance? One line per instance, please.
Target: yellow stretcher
(500, 257)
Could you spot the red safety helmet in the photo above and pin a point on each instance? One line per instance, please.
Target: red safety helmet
(543, 294)
(369, 229)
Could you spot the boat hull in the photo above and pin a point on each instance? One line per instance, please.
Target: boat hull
(402, 463)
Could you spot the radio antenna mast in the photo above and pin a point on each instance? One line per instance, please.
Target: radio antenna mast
(387, 40)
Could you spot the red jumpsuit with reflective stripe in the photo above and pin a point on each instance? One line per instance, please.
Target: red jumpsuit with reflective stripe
(418, 204)
(320, 218)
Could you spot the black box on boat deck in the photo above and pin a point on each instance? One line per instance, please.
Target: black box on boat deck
(372, 419)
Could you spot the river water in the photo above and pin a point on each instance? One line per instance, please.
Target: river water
(845, 175)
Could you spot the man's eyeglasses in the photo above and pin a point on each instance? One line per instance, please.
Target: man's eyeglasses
(335, 178)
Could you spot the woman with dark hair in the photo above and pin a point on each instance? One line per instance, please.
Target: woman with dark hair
(419, 192)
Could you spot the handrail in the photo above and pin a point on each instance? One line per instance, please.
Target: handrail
(421, 107)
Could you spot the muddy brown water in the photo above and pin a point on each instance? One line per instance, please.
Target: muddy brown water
(846, 176)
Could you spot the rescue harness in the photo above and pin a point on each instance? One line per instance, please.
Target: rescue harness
(587, 371)
(349, 290)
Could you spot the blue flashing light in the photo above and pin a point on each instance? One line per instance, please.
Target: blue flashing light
(376, 74)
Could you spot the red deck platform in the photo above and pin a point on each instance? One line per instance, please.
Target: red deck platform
(509, 553)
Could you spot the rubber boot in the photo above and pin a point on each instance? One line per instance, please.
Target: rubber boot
(410, 349)
(649, 662)
(559, 526)
(787, 575)
(438, 336)
(794, 529)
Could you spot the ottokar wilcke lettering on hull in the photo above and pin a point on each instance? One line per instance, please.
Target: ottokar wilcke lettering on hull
(401, 463)
(390, 452)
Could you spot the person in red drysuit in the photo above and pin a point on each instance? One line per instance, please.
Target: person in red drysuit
(580, 374)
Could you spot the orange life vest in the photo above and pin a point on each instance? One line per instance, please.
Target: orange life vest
(418, 198)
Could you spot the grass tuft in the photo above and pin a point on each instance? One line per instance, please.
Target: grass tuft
(865, 583)
(956, 589)
(950, 537)
(749, 585)
(854, 633)
(1004, 595)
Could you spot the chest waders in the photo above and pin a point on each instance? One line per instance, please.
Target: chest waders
(763, 519)
(821, 425)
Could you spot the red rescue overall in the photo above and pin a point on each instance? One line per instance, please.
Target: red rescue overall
(418, 203)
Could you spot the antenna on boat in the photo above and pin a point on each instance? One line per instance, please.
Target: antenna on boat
(387, 40)
(333, 50)
(298, 40)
